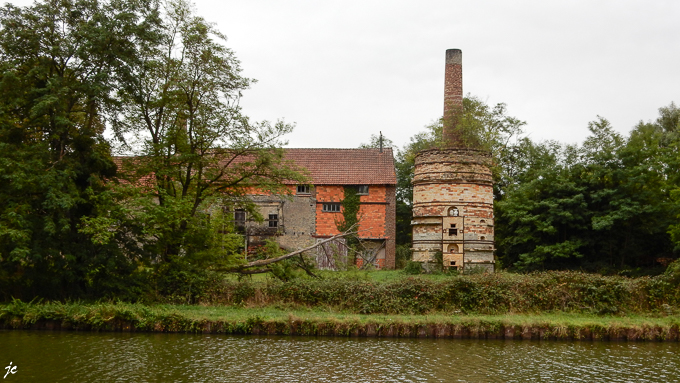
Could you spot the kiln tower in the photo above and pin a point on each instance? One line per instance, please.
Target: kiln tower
(453, 191)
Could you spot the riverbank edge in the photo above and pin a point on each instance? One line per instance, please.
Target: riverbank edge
(243, 321)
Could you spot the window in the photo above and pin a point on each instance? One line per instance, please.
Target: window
(303, 189)
(453, 230)
(331, 207)
(362, 189)
(239, 217)
(453, 211)
(273, 220)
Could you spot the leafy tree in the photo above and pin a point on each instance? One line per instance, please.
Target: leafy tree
(540, 221)
(195, 152)
(60, 62)
(378, 142)
(602, 206)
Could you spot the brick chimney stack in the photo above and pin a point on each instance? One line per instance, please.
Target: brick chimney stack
(453, 94)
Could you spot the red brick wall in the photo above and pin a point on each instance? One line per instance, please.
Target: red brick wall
(372, 212)
(453, 94)
(372, 221)
(326, 222)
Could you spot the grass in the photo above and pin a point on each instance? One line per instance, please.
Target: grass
(272, 320)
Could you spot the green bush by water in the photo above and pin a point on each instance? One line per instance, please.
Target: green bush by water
(500, 293)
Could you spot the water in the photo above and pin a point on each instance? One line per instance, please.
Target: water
(44, 356)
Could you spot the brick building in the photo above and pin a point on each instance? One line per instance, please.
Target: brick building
(452, 191)
(311, 212)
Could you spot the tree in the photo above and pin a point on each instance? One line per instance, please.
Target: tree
(377, 142)
(540, 220)
(196, 155)
(604, 205)
(60, 62)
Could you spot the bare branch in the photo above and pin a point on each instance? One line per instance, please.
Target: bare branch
(264, 262)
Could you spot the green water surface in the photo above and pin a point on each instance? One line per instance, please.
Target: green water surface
(46, 356)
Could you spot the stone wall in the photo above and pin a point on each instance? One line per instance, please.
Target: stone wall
(301, 219)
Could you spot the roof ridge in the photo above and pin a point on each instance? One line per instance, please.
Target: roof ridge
(385, 148)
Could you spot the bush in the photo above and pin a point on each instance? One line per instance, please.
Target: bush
(499, 293)
(402, 256)
(413, 268)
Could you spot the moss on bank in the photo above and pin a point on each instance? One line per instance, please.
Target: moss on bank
(271, 321)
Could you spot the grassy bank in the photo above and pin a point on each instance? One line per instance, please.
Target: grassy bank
(273, 321)
(548, 305)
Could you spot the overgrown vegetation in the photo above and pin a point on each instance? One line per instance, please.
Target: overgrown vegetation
(500, 293)
(396, 292)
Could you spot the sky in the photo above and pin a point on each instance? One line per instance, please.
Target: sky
(343, 70)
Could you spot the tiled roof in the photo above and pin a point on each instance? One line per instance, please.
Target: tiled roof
(332, 166)
(346, 166)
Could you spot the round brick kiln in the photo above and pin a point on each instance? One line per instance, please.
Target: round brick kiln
(453, 193)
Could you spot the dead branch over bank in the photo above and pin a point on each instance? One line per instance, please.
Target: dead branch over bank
(261, 264)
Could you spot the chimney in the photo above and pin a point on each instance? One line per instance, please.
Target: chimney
(453, 95)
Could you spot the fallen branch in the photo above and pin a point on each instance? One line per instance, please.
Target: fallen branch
(263, 262)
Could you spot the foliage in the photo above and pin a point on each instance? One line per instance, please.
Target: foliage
(601, 206)
(413, 268)
(61, 62)
(351, 205)
(195, 146)
(402, 256)
(72, 222)
(499, 293)
(378, 142)
(287, 269)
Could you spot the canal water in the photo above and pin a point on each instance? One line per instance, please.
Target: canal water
(45, 356)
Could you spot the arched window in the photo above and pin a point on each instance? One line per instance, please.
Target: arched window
(453, 248)
(453, 211)
(483, 238)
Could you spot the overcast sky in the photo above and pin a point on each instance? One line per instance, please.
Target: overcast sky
(343, 70)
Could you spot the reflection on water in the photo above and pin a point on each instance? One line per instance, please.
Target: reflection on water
(115, 357)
